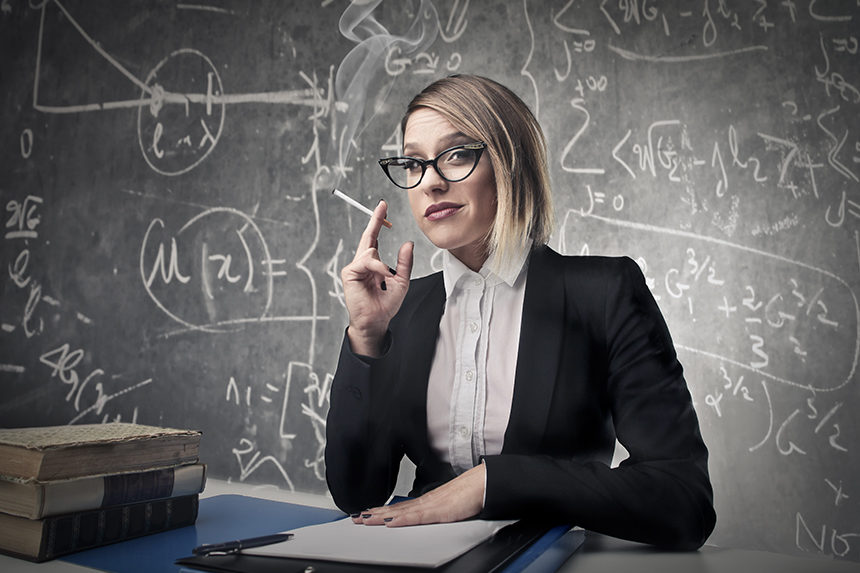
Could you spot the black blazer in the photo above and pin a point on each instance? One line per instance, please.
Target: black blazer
(595, 362)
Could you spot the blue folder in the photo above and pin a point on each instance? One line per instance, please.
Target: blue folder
(220, 518)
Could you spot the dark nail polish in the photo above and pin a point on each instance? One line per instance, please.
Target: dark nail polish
(383, 286)
(392, 271)
(366, 515)
(387, 519)
(354, 515)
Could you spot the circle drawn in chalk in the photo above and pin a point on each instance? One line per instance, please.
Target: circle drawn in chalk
(184, 119)
(214, 274)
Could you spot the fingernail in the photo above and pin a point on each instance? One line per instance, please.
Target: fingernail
(387, 519)
(366, 515)
(354, 515)
(392, 271)
(383, 286)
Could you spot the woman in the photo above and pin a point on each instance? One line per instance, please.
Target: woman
(507, 377)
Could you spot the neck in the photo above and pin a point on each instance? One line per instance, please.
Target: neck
(471, 256)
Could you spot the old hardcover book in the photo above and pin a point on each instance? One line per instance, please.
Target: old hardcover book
(34, 499)
(59, 452)
(44, 539)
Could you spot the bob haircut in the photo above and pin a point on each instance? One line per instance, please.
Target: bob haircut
(488, 111)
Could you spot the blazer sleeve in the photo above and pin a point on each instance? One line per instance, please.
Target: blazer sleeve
(661, 494)
(362, 453)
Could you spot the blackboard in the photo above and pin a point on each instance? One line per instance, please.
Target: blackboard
(171, 251)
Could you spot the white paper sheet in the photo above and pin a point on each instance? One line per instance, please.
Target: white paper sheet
(418, 546)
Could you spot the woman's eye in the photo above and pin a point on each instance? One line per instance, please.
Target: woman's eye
(459, 156)
(409, 165)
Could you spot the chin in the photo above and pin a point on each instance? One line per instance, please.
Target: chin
(443, 241)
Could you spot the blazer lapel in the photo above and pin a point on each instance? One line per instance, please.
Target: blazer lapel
(422, 324)
(541, 338)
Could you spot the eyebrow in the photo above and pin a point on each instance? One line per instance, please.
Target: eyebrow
(446, 141)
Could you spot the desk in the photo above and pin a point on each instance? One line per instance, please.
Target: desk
(599, 554)
(602, 554)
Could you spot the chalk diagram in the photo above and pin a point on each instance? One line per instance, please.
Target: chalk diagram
(182, 102)
(180, 119)
(213, 272)
(176, 138)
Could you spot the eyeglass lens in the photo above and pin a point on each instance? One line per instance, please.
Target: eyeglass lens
(453, 165)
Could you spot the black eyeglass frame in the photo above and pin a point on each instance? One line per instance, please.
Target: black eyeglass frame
(478, 147)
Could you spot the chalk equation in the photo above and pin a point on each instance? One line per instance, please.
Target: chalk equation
(313, 393)
(89, 392)
(216, 255)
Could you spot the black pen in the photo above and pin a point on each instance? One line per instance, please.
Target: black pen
(237, 545)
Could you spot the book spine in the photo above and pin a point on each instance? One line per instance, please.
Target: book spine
(134, 487)
(104, 491)
(64, 534)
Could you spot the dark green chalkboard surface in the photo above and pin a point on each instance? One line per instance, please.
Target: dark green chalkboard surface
(171, 251)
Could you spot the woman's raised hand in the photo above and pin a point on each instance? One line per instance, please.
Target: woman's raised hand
(374, 291)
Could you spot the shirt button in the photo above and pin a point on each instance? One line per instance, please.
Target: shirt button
(463, 431)
(477, 282)
(474, 326)
(469, 375)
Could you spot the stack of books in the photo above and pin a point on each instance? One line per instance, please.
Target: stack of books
(68, 488)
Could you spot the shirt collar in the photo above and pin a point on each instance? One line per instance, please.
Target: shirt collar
(454, 271)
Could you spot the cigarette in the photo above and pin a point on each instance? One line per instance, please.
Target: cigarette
(357, 205)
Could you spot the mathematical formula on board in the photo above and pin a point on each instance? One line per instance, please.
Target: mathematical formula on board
(715, 142)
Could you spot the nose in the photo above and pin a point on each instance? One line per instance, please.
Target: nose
(432, 182)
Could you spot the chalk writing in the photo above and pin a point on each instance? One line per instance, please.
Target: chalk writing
(829, 541)
(63, 363)
(250, 465)
(26, 143)
(169, 253)
(170, 144)
(24, 218)
(244, 267)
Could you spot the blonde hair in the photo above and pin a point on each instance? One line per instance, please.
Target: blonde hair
(488, 111)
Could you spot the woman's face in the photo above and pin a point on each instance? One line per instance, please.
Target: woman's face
(454, 216)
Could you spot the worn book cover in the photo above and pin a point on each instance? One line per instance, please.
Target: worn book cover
(58, 452)
(50, 537)
(34, 499)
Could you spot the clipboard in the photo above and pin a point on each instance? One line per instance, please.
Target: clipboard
(493, 555)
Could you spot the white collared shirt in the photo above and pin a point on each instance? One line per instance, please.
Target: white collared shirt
(471, 384)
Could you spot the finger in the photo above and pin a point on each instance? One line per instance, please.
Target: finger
(359, 517)
(367, 267)
(405, 258)
(420, 513)
(417, 517)
(374, 516)
(369, 238)
(378, 515)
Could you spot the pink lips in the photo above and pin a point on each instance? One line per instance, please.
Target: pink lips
(439, 211)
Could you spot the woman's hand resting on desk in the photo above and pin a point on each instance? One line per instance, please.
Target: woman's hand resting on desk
(373, 291)
(459, 499)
